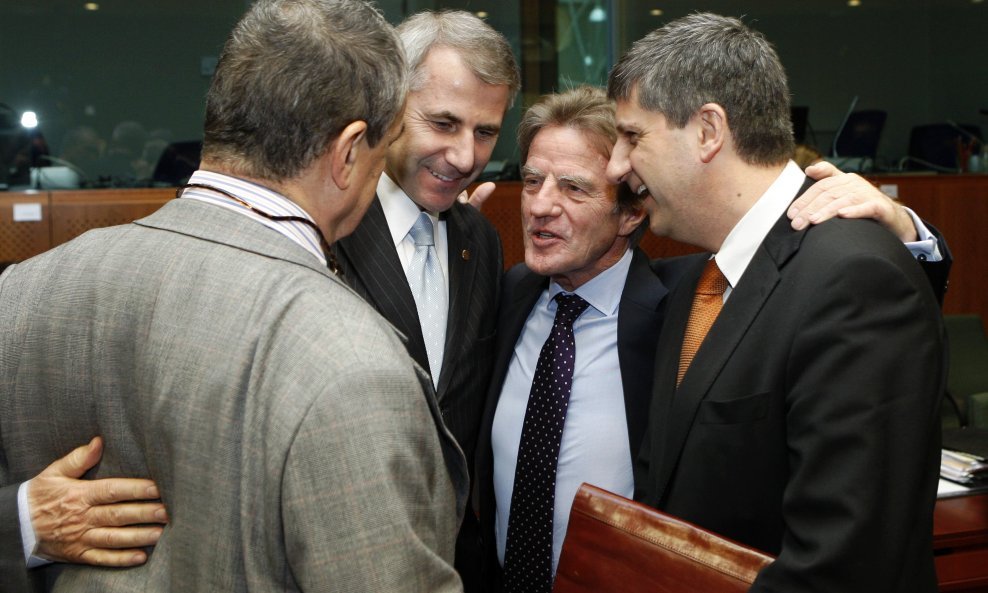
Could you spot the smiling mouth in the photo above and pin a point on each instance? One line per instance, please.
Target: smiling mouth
(441, 177)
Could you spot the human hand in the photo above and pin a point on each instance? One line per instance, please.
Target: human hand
(848, 195)
(479, 195)
(98, 522)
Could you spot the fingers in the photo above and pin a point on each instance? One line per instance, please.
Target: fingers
(479, 195)
(78, 461)
(119, 515)
(821, 170)
(113, 558)
(111, 490)
(121, 538)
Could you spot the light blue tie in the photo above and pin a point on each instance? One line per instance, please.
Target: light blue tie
(425, 278)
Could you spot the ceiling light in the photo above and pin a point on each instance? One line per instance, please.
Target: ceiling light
(91, 6)
(655, 12)
(854, 3)
(29, 119)
(481, 14)
(597, 15)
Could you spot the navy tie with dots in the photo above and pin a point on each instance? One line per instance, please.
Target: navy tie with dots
(528, 546)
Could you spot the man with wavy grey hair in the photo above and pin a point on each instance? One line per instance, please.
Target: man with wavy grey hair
(441, 291)
(779, 423)
(215, 350)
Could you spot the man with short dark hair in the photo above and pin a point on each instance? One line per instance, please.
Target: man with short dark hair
(799, 376)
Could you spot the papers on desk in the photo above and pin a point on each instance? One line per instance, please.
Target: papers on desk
(963, 468)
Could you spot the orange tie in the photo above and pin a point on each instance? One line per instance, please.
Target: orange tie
(707, 301)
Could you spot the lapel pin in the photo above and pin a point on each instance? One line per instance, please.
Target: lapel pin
(465, 254)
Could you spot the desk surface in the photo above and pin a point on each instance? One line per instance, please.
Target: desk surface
(960, 543)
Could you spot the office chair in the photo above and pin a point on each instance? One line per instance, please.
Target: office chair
(178, 161)
(859, 135)
(934, 146)
(800, 116)
(967, 377)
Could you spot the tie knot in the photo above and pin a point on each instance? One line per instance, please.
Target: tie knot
(569, 307)
(421, 232)
(712, 280)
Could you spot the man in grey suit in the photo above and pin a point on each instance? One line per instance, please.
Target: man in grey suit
(294, 441)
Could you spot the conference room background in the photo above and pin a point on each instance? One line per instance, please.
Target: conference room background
(148, 62)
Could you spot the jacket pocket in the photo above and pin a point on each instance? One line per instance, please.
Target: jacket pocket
(735, 411)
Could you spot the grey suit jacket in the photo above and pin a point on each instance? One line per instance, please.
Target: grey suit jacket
(371, 265)
(281, 417)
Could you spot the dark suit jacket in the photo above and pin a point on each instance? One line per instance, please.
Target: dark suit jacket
(807, 425)
(370, 264)
(639, 320)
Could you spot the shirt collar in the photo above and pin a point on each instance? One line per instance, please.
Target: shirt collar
(603, 291)
(399, 209)
(262, 198)
(742, 242)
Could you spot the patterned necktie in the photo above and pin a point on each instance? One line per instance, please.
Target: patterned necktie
(425, 278)
(707, 302)
(528, 548)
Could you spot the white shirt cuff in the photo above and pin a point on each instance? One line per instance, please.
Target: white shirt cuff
(28, 538)
(927, 248)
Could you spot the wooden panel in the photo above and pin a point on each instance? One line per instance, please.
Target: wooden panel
(960, 543)
(21, 240)
(958, 206)
(75, 212)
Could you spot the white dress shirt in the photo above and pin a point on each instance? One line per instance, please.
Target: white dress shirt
(401, 212)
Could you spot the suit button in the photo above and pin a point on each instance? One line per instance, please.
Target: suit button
(444, 410)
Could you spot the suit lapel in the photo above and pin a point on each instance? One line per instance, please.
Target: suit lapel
(371, 265)
(678, 407)
(461, 251)
(639, 322)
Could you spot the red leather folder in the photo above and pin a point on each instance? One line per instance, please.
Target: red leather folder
(616, 544)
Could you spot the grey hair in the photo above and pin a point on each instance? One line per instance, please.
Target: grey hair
(485, 51)
(292, 76)
(708, 58)
(586, 109)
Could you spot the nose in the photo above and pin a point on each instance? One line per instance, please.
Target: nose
(544, 203)
(461, 153)
(618, 166)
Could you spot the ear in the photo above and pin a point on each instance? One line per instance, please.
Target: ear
(345, 151)
(712, 130)
(629, 221)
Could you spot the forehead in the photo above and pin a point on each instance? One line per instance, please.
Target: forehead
(567, 151)
(448, 84)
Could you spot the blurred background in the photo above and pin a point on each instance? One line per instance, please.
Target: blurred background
(96, 94)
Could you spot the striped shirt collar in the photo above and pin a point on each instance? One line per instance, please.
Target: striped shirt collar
(261, 198)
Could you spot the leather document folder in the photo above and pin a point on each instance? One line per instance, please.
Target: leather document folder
(616, 544)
